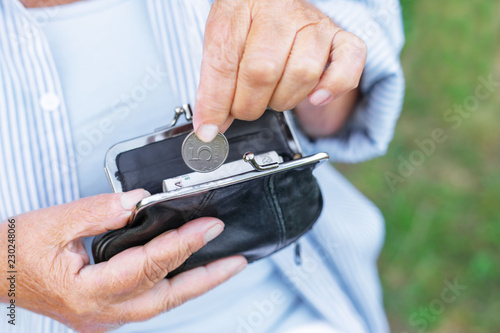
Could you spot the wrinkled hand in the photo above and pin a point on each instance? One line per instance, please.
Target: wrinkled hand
(260, 53)
(54, 277)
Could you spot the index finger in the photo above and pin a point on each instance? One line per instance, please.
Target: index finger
(171, 293)
(225, 34)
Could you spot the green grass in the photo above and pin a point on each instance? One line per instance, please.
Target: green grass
(443, 222)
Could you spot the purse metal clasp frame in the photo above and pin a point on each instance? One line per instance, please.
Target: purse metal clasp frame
(185, 110)
(173, 130)
(249, 157)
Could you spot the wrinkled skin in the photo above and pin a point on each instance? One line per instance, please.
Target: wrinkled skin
(257, 53)
(55, 279)
(260, 53)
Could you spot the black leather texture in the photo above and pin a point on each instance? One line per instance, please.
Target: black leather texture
(261, 215)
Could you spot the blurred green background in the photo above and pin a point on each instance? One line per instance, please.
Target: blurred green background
(443, 220)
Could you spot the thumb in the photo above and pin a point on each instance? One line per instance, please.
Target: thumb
(97, 214)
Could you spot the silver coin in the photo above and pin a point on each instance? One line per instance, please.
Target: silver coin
(204, 156)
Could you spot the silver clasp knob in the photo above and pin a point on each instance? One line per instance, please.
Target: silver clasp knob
(249, 157)
(185, 110)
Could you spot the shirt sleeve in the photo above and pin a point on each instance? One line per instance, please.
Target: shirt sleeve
(369, 130)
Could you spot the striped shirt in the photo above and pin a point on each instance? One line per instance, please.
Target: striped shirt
(339, 275)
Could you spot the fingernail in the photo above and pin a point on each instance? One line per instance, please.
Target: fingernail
(213, 232)
(207, 132)
(321, 97)
(131, 198)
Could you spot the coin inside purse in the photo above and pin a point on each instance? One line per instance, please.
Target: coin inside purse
(146, 161)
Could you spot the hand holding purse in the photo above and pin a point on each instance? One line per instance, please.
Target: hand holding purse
(264, 208)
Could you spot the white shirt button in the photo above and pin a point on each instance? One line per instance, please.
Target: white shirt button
(50, 101)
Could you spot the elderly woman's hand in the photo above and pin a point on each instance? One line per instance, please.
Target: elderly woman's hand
(260, 53)
(55, 279)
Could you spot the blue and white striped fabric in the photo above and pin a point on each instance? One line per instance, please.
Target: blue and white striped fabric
(339, 275)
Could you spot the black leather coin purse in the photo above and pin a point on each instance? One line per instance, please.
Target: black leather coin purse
(265, 205)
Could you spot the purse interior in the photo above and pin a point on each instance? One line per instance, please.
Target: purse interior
(148, 165)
